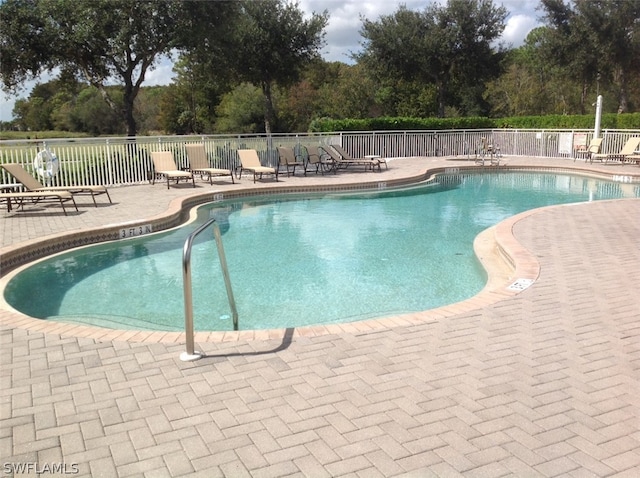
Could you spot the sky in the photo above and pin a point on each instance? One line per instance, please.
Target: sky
(342, 34)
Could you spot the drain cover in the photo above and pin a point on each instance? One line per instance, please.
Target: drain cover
(520, 284)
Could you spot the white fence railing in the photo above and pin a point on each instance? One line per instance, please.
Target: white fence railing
(122, 160)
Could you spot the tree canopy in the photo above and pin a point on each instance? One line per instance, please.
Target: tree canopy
(449, 46)
(274, 43)
(598, 40)
(255, 66)
(102, 41)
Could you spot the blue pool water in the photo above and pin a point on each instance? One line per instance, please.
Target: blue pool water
(297, 261)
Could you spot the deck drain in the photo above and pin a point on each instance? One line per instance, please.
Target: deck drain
(520, 284)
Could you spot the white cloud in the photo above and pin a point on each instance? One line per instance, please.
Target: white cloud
(343, 32)
(162, 74)
(517, 29)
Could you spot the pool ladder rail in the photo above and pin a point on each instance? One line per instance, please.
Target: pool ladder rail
(191, 354)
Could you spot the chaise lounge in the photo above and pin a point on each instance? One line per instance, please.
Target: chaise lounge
(249, 161)
(32, 185)
(36, 197)
(199, 164)
(594, 148)
(344, 159)
(164, 165)
(627, 151)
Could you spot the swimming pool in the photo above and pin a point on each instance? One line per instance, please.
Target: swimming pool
(297, 261)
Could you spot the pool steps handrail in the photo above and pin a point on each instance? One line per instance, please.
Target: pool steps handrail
(190, 353)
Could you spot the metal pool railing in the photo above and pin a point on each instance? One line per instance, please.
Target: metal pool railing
(190, 353)
(127, 160)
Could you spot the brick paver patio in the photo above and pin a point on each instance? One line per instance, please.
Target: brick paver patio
(545, 382)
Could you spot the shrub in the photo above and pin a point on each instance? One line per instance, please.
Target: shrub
(609, 121)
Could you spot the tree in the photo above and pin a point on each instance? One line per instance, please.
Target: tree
(530, 84)
(274, 42)
(349, 93)
(596, 41)
(41, 110)
(92, 115)
(241, 111)
(198, 87)
(101, 40)
(447, 46)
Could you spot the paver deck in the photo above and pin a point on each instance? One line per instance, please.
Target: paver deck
(544, 382)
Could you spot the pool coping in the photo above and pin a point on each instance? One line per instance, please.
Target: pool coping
(496, 247)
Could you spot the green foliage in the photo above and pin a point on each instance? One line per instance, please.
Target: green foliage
(400, 124)
(448, 46)
(98, 40)
(240, 111)
(188, 106)
(17, 135)
(275, 41)
(92, 114)
(609, 121)
(583, 49)
(626, 121)
(595, 42)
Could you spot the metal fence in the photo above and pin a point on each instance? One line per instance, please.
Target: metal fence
(127, 160)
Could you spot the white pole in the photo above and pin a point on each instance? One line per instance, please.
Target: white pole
(596, 133)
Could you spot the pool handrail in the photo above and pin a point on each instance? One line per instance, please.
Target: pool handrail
(190, 353)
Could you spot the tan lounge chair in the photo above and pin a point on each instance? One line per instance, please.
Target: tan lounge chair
(199, 164)
(366, 162)
(31, 184)
(35, 197)
(340, 162)
(164, 165)
(594, 148)
(249, 161)
(627, 150)
(287, 159)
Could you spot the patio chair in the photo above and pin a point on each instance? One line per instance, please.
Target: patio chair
(37, 196)
(627, 150)
(164, 165)
(594, 148)
(199, 164)
(370, 162)
(31, 184)
(287, 158)
(249, 161)
(488, 149)
(322, 161)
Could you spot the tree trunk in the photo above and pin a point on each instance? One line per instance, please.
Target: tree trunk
(441, 93)
(269, 111)
(127, 109)
(623, 99)
(583, 97)
(130, 120)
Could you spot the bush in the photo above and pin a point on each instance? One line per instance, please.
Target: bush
(609, 121)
